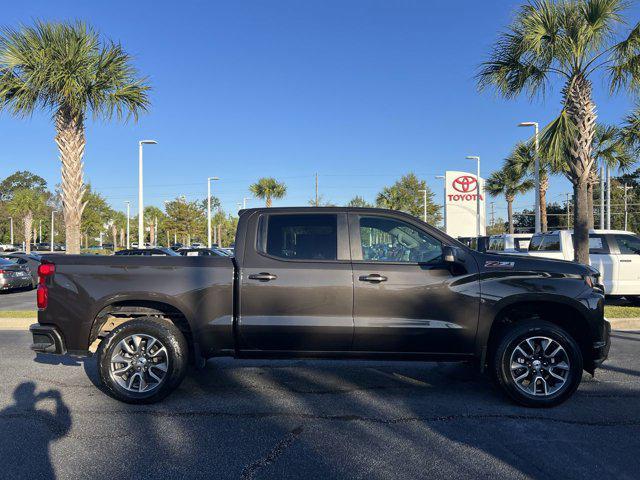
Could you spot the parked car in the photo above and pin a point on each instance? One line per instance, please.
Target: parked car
(7, 247)
(13, 276)
(148, 252)
(30, 260)
(614, 253)
(509, 243)
(327, 282)
(176, 246)
(201, 252)
(198, 245)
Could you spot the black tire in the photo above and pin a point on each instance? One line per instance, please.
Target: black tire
(501, 363)
(177, 357)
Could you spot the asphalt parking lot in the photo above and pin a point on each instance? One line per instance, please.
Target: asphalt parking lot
(311, 419)
(18, 300)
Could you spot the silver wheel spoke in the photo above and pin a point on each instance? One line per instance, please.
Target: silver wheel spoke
(132, 364)
(538, 374)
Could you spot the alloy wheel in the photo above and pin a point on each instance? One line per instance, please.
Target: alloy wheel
(539, 366)
(139, 363)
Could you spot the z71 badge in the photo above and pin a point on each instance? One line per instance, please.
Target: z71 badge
(497, 264)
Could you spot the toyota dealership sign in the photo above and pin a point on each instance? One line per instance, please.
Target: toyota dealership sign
(460, 196)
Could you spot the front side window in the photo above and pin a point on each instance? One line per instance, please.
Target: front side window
(388, 240)
(303, 237)
(628, 244)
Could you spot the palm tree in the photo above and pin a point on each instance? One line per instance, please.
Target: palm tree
(67, 70)
(522, 160)
(267, 189)
(508, 182)
(27, 204)
(572, 40)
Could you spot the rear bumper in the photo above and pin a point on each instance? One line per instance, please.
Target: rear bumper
(20, 282)
(47, 339)
(601, 347)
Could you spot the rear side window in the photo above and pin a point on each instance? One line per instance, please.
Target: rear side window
(545, 243)
(496, 244)
(628, 244)
(598, 244)
(302, 237)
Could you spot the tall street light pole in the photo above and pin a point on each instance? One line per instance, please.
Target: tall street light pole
(52, 230)
(209, 209)
(608, 197)
(424, 205)
(128, 203)
(140, 196)
(444, 200)
(626, 205)
(477, 159)
(536, 168)
(244, 202)
(11, 230)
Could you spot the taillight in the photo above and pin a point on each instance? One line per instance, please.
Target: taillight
(44, 270)
(42, 296)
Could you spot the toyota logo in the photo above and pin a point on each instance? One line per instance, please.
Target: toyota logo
(465, 184)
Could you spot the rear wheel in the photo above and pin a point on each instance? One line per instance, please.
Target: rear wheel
(537, 364)
(143, 360)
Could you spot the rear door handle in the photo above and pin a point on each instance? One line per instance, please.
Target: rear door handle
(373, 277)
(262, 276)
(625, 261)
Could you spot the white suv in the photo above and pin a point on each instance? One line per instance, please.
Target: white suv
(615, 253)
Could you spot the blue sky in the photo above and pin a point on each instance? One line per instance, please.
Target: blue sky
(358, 91)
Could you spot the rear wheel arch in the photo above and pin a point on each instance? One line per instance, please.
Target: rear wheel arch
(119, 312)
(565, 316)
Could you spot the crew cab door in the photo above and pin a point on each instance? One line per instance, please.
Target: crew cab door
(628, 264)
(296, 288)
(406, 299)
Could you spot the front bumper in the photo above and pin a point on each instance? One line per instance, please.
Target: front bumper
(601, 348)
(47, 339)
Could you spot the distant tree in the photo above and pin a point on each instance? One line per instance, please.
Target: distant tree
(404, 195)
(321, 202)
(498, 227)
(186, 219)
(509, 183)
(26, 204)
(97, 214)
(21, 180)
(359, 201)
(67, 70)
(267, 189)
(525, 220)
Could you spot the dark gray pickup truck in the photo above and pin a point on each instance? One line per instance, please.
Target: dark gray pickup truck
(327, 282)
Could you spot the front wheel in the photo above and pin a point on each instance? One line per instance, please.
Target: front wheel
(537, 364)
(143, 360)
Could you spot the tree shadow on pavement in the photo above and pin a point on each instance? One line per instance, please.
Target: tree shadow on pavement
(27, 431)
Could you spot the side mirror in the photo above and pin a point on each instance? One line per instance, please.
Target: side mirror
(451, 255)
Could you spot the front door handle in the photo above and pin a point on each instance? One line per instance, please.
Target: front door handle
(625, 261)
(262, 276)
(373, 277)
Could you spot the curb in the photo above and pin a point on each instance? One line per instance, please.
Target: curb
(624, 323)
(23, 323)
(17, 323)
